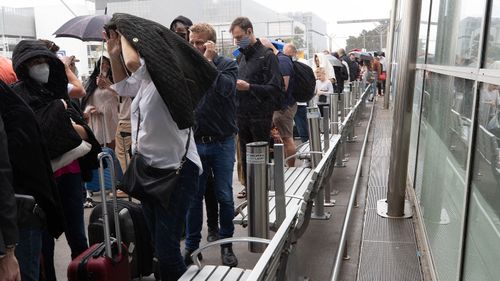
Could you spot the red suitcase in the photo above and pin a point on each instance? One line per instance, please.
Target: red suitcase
(103, 261)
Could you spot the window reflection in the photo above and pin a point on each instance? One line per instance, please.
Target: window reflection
(455, 32)
(493, 43)
(483, 232)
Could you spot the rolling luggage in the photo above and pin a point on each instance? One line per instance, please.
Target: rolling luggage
(134, 233)
(108, 260)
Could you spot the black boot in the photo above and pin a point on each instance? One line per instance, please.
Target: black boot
(187, 257)
(228, 257)
(213, 234)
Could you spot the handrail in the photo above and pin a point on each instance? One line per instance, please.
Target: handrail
(345, 225)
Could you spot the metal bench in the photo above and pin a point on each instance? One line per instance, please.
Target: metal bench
(269, 265)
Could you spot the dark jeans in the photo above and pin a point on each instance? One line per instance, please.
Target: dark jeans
(252, 130)
(219, 158)
(70, 191)
(211, 204)
(28, 253)
(166, 225)
(300, 120)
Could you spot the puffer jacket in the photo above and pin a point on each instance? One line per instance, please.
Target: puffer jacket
(179, 72)
(45, 100)
(31, 169)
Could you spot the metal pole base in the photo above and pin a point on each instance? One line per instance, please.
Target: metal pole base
(340, 165)
(382, 207)
(325, 216)
(329, 203)
(352, 139)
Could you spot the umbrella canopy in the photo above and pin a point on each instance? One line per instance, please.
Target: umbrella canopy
(334, 61)
(85, 28)
(362, 55)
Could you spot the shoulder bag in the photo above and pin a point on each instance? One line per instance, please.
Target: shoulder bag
(150, 184)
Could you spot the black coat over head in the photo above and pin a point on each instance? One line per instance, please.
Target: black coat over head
(180, 73)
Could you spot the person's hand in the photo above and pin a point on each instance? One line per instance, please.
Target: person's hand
(103, 82)
(68, 60)
(113, 43)
(9, 267)
(242, 85)
(90, 110)
(210, 52)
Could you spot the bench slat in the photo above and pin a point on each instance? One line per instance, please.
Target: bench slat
(219, 273)
(234, 274)
(205, 273)
(190, 273)
(245, 275)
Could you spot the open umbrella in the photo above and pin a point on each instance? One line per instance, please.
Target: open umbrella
(362, 55)
(85, 28)
(334, 61)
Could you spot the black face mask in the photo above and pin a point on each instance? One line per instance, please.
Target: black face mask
(181, 34)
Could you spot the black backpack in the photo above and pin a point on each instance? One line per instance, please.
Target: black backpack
(304, 82)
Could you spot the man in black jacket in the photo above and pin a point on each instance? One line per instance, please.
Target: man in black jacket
(260, 87)
(9, 268)
(214, 135)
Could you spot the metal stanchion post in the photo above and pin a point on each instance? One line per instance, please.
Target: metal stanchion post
(334, 106)
(279, 183)
(326, 146)
(326, 128)
(258, 203)
(313, 117)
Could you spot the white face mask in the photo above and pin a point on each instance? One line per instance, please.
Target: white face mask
(40, 72)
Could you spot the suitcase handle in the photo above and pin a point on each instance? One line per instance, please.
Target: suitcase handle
(107, 236)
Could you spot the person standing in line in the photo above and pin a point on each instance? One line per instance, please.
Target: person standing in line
(162, 111)
(9, 267)
(214, 133)
(300, 117)
(259, 87)
(43, 85)
(323, 90)
(283, 118)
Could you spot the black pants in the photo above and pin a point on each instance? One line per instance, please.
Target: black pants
(252, 130)
(211, 204)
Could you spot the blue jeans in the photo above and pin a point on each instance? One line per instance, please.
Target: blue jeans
(217, 157)
(28, 253)
(166, 225)
(71, 193)
(300, 120)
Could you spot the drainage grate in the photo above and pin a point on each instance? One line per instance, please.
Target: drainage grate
(381, 261)
(375, 193)
(382, 229)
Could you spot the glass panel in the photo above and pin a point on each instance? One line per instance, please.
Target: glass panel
(482, 251)
(417, 97)
(445, 126)
(493, 45)
(422, 36)
(455, 32)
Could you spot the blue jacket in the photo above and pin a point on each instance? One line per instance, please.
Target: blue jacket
(216, 111)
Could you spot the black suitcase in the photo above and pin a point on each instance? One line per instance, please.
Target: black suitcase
(134, 233)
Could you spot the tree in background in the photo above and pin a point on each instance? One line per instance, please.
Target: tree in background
(372, 40)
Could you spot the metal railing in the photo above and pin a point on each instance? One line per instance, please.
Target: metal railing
(350, 205)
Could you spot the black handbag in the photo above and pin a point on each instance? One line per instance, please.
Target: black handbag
(150, 184)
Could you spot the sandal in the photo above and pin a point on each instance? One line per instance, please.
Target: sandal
(242, 194)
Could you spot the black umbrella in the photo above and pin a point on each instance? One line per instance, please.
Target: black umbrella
(85, 28)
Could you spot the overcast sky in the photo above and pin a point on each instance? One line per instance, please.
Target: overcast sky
(335, 10)
(330, 10)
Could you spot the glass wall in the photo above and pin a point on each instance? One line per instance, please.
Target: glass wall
(454, 160)
(445, 136)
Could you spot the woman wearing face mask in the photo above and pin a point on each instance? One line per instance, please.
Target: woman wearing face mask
(100, 105)
(43, 86)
